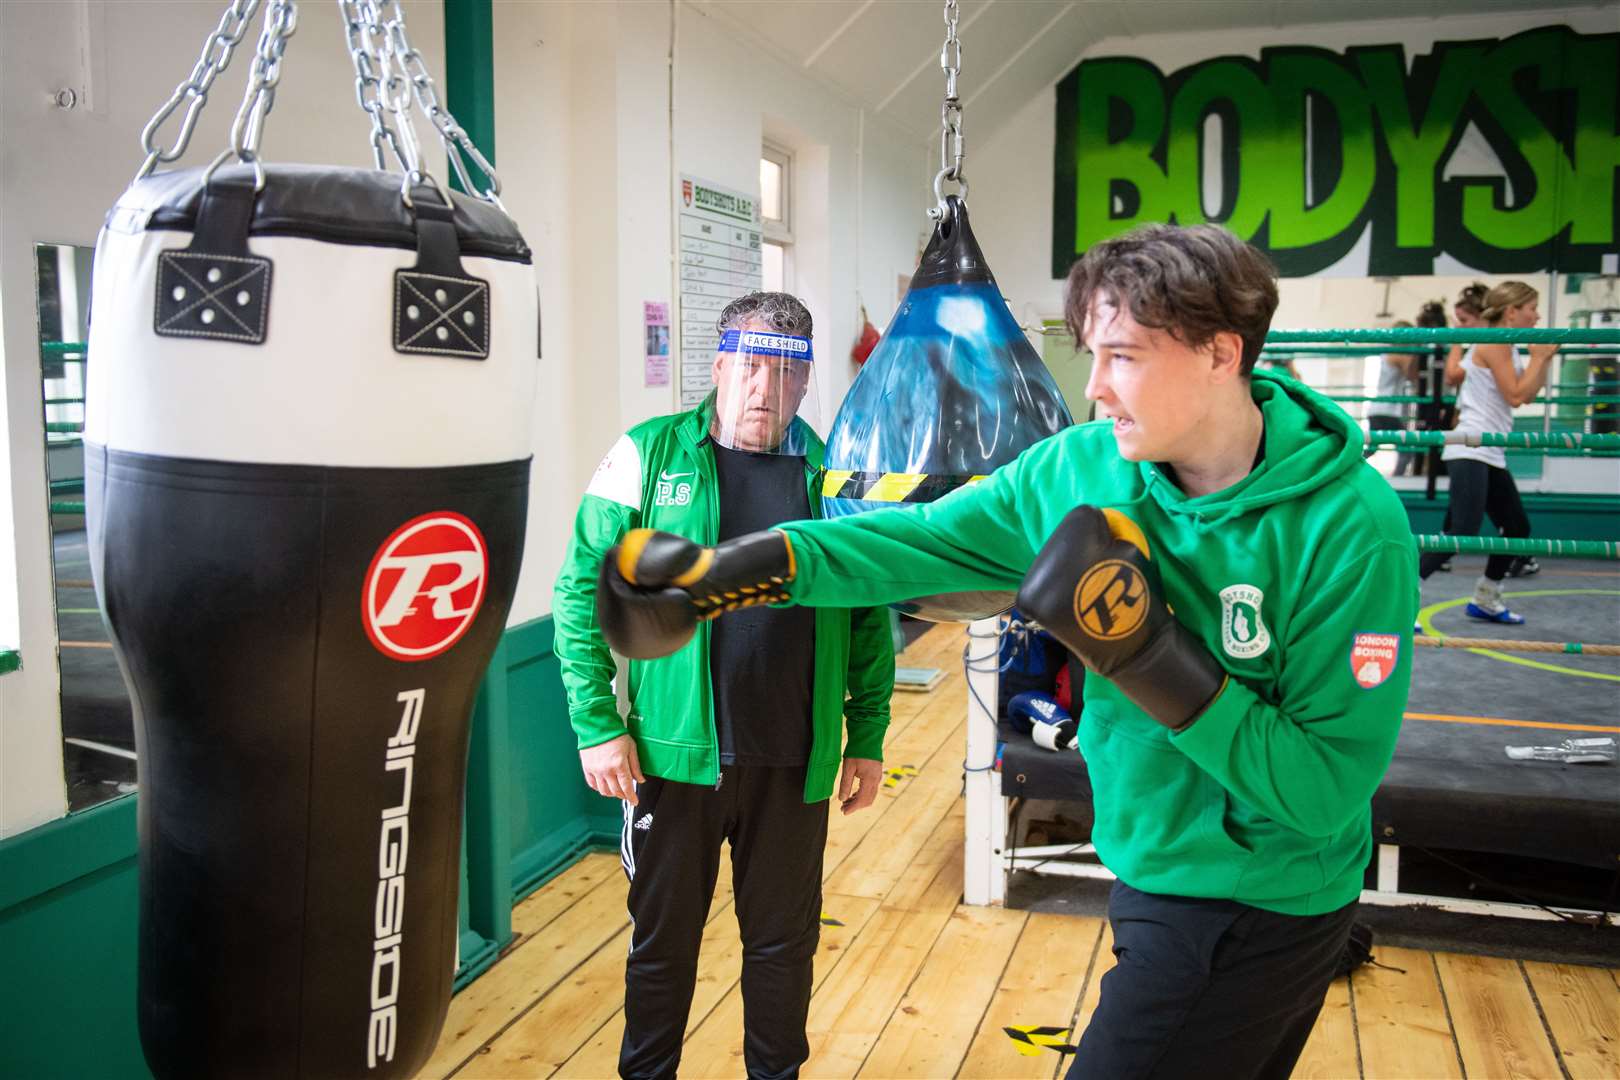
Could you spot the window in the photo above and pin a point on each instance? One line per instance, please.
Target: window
(776, 215)
(773, 266)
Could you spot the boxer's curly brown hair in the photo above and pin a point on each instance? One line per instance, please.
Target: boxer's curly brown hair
(1190, 281)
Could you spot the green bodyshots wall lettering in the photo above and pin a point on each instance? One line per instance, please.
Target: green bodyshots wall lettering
(1318, 145)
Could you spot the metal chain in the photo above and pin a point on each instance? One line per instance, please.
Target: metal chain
(247, 130)
(364, 31)
(398, 63)
(216, 57)
(395, 96)
(389, 74)
(452, 135)
(950, 117)
(380, 89)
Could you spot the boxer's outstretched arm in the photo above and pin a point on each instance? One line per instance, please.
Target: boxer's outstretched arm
(974, 538)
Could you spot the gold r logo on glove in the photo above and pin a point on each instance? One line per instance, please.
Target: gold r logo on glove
(1111, 600)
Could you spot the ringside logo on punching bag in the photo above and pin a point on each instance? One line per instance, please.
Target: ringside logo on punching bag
(393, 844)
(424, 586)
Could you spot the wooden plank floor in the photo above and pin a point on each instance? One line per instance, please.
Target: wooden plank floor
(914, 984)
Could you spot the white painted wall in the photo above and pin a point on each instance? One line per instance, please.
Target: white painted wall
(730, 96)
(59, 172)
(584, 137)
(1011, 169)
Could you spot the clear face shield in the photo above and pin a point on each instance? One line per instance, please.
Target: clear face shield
(765, 392)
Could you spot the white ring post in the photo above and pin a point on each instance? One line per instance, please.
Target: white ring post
(984, 875)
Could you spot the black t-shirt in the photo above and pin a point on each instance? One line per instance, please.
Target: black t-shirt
(762, 659)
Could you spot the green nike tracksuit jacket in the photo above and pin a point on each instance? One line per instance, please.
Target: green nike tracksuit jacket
(661, 475)
(1300, 578)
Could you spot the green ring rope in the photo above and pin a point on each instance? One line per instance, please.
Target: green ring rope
(1523, 440)
(1566, 400)
(1497, 545)
(1331, 350)
(1416, 335)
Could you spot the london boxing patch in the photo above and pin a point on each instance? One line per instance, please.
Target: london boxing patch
(1373, 658)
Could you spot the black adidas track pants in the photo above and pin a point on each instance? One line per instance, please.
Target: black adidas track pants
(670, 848)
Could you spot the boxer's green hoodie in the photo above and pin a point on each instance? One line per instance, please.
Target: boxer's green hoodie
(1300, 578)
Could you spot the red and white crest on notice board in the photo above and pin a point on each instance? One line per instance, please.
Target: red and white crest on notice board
(686, 192)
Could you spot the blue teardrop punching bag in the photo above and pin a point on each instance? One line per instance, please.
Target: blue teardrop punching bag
(952, 392)
(307, 449)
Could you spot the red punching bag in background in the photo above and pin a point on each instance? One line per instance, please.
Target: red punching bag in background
(865, 341)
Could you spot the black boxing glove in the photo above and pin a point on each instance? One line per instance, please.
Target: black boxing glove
(655, 587)
(1094, 588)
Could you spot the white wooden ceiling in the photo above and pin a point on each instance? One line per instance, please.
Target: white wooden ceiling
(884, 54)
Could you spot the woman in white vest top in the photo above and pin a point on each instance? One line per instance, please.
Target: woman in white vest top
(1498, 379)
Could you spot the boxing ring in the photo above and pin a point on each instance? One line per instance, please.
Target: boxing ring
(1450, 786)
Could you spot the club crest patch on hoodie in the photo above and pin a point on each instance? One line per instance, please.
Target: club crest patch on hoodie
(1243, 632)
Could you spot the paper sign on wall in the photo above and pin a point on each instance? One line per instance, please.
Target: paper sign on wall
(655, 319)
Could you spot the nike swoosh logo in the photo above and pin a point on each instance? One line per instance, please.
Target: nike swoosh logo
(672, 476)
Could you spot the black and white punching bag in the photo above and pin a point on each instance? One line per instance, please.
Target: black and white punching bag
(307, 458)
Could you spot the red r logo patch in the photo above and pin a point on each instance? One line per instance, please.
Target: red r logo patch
(1373, 657)
(425, 586)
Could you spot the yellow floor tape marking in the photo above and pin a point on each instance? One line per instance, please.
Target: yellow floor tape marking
(892, 777)
(1029, 1039)
(1426, 620)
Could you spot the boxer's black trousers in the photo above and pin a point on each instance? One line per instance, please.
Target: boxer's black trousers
(1208, 988)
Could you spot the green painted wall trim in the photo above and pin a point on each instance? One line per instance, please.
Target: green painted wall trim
(469, 67)
(477, 956)
(539, 864)
(68, 904)
(533, 640)
(62, 851)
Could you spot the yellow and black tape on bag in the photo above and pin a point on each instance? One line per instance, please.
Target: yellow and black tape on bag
(1030, 1040)
(892, 486)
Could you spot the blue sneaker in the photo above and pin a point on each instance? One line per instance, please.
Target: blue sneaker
(1506, 617)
